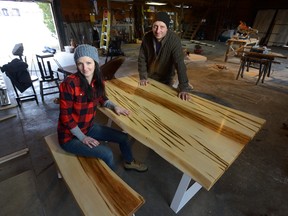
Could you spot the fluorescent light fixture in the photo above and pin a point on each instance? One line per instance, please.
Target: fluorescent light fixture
(156, 3)
(184, 6)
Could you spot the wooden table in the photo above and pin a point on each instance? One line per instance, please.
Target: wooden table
(65, 63)
(66, 70)
(199, 137)
(241, 43)
(108, 69)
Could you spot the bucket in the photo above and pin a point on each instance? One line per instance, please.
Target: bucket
(69, 49)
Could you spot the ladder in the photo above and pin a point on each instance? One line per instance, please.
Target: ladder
(105, 32)
(191, 30)
(194, 27)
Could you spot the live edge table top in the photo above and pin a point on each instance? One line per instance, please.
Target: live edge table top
(199, 137)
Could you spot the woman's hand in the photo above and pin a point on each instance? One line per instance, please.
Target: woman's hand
(90, 142)
(121, 111)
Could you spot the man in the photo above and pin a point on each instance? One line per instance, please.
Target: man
(160, 54)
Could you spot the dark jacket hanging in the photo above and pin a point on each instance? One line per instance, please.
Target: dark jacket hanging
(17, 71)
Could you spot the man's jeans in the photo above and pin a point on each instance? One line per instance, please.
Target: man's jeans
(101, 133)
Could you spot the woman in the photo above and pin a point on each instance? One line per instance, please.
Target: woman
(80, 94)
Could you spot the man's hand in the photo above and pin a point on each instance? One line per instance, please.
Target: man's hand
(184, 96)
(121, 111)
(144, 82)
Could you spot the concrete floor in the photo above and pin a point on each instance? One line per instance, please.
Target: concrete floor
(255, 184)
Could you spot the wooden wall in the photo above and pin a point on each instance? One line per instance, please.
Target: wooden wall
(222, 14)
(273, 26)
(80, 10)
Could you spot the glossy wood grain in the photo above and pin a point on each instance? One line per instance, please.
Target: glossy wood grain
(199, 137)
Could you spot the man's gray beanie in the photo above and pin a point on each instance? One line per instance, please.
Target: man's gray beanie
(86, 50)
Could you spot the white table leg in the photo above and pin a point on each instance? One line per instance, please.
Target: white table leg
(183, 193)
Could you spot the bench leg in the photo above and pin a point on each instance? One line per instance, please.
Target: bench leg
(109, 122)
(59, 174)
(183, 193)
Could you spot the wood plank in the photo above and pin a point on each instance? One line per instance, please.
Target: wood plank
(94, 185)
(199, 137)
(279, 32)
(262, 22)
(270, 55)
(8, 107)
(13, 155)
(7, 117)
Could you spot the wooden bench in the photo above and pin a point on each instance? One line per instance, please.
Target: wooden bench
(96, 188)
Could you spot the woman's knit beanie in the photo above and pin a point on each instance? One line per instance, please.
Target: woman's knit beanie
(86, 50)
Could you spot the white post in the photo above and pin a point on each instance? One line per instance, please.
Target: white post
(183, 194)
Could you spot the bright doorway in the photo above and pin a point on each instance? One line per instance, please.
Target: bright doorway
(29, 23)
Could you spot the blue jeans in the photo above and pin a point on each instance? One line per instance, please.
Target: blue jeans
(101, 133)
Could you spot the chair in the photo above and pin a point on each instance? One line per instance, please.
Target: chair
(46, 79)
(20, 99)
(109, 69)
(21, 80)
(114, 49)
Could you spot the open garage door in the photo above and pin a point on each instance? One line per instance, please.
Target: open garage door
(29, 23)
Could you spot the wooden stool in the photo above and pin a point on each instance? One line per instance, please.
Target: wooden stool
(264, 66)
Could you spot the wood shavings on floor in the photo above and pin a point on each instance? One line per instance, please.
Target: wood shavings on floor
(219, 67)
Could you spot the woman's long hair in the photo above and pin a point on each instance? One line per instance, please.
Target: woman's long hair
(99, 84)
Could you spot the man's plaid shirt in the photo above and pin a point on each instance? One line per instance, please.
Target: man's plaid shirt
(75, 109)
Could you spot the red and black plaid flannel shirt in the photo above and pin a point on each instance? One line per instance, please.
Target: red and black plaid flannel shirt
(75, 109)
